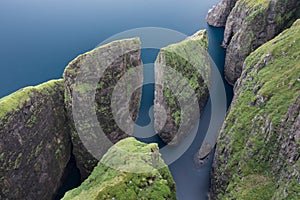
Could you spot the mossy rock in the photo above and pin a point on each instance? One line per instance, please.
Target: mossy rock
(118, 175)
(250, 24)
(94, 75)
(35, 142)
(257, 154)
(182, 67)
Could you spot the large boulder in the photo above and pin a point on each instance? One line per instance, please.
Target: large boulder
(35, 142)
(129, 170)
(257, 155)
(90, 80)
(181, 91)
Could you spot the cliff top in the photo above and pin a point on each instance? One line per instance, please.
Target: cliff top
(16, 100)
(113, 182)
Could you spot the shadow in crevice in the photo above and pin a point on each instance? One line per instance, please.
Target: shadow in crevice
(70, 179)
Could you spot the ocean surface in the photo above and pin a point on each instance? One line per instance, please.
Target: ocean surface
(38, 38)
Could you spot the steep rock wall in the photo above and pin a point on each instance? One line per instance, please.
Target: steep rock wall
(35, 142)
(257, 155)
(250, 24)
(190, 63)
(85, 82)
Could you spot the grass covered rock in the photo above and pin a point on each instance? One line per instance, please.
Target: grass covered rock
(129, 170)
(258, 150)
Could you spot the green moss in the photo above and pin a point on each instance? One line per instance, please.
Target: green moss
(253, 187)
(38, 149)
(106, 182)
(16, 100)
(254, 8)
(264, 95)
(18, 161)
(257, 3)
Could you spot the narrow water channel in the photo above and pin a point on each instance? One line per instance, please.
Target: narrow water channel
(192, 183)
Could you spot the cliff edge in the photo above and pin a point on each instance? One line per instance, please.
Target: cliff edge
(257, 155)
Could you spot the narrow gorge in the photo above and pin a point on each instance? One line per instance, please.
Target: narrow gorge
(70, 121)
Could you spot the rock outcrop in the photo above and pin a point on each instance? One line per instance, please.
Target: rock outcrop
(115, 177)
(35, 142)
(217, 16)
(257, 155)
(250, 24)
(90, 80)
(182, 80)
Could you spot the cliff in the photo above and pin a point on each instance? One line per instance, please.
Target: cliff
(118, 175)
(250, 24)
(257, 155)
(182, 79)
(217, 16)
(90, 80)
(35, 144)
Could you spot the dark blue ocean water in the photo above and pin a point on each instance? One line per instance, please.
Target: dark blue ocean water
(38, 38)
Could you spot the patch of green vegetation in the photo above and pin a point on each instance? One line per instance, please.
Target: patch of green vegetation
(18, 161)
(254, 187)
(270, 85)
(255, 8)
(256, 3)
(113, 178)
(16, 100)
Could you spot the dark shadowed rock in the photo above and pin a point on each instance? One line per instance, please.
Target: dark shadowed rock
(35, 142)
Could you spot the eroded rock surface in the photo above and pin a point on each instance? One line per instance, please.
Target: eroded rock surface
(35, 142)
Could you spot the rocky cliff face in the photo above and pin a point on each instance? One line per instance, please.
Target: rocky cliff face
(180, 70)
(90, 80)
(35, 143)
(114, 177)
(249, 25)
(257, 154)
(217, 16)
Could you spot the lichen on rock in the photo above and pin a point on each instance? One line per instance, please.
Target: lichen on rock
(181, 75)
(90, 80)
(118, 175)
(35, 142)
(257, 154)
